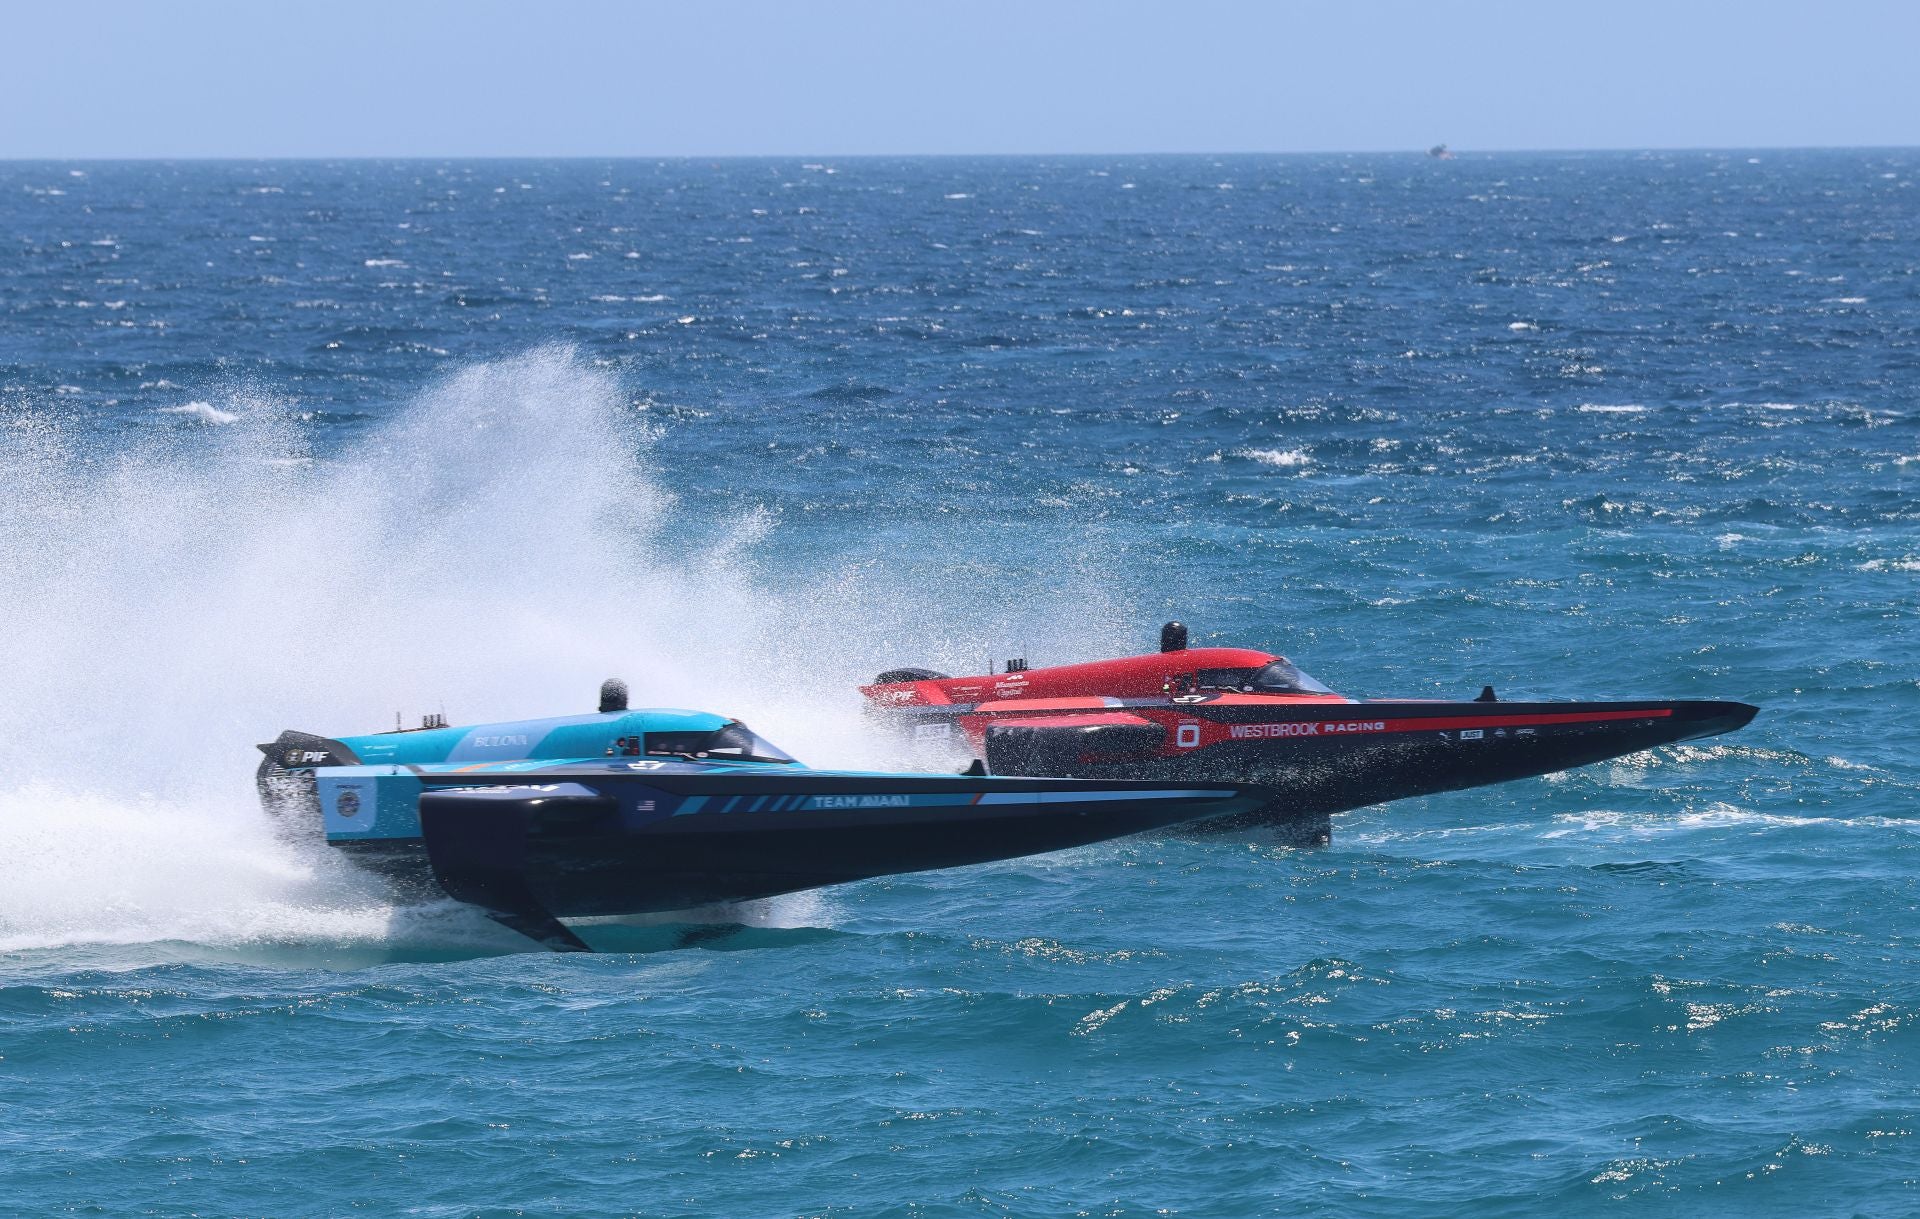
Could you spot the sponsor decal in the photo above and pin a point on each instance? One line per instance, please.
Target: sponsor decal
(1247, 732)
(645, 765)
(499, 741)
(346, 805)
(1188, 737)
(302, 757)
(932, 732)
(878, 801)
(1252, 732)
(1472, 734)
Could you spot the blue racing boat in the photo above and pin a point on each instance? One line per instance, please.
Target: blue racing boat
(635, 811)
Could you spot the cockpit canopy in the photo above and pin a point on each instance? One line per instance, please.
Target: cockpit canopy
(733, 743)
(1281, 676)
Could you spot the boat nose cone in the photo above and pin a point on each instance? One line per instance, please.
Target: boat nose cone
(1698, 719)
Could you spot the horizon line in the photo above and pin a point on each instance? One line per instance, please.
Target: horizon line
(1456, 153)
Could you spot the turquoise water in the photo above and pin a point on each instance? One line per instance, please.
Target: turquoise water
(306, 445)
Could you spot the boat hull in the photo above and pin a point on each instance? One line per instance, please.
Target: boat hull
(599, 839)
(1320, 758)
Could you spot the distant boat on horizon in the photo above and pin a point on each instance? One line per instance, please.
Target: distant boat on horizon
(1440, 152)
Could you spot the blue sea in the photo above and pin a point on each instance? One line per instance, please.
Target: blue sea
(318, 444)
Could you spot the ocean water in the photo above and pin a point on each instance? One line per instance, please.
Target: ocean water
(312, 444)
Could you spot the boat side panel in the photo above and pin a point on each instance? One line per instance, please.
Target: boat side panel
(635, 847)
(359, 803)
(695, 860)
(1320, 774)
(363, 802)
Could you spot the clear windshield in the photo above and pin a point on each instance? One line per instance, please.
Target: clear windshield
(1282, 676)
(736, 743)
(1285, 677)
(737, 740)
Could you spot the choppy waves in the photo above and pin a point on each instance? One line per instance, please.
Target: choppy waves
(288, 445)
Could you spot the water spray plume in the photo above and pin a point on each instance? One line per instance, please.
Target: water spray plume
(496, 548)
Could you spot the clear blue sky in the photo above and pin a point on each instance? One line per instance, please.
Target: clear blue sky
(191, 78)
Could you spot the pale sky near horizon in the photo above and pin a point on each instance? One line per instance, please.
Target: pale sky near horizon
(193, 78)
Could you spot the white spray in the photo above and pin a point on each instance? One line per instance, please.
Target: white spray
(496, 550)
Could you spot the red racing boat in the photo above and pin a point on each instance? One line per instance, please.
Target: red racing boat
(1244, 716)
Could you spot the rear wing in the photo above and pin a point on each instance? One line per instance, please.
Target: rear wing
(293, 750)
(285, 777)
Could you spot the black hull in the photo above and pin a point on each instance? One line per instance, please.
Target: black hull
(586, 844)
(1314, 777)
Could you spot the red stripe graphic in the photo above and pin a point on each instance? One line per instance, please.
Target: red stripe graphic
(1507, 721)
(1326, 728)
